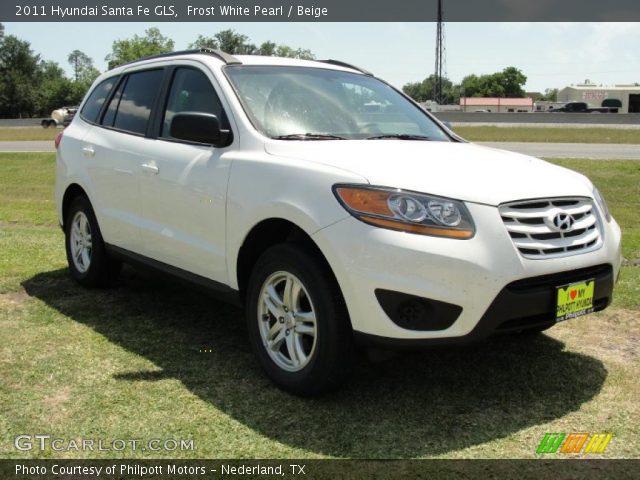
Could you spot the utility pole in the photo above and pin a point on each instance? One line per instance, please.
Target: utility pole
(440, 51)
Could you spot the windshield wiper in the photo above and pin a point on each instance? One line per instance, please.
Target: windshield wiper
(399, 136)
(309, 136)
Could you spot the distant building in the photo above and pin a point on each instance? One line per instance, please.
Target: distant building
(496, 105)
(624, 98)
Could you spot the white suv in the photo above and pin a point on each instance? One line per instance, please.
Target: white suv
(330, 205)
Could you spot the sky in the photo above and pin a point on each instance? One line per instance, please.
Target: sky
(551, 55)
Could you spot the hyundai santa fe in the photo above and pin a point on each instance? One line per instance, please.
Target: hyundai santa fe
(327, 203)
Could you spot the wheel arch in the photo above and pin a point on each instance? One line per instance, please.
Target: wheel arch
(72, 192)
(267, 233)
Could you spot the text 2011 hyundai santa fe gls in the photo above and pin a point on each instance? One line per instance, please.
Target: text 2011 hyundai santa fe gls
(329, 204)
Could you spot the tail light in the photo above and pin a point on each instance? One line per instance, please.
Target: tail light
(58, 139)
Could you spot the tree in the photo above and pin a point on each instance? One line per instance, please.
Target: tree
(82, 65)
(481, 86)
(507, 83)
(512, 80)
(423, 91)
(29, 85)
(550, 95)
(235, 43)
(84, 74)
(19, 68)
(205, 42)
(127, 50)
(54, 89)
(1, 31)
(304, 54)
(268, 49)
(228, 41)
(286, 51)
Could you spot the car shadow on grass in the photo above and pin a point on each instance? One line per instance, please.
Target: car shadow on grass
(426, 403)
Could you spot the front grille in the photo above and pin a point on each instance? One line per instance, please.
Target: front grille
(530, 224)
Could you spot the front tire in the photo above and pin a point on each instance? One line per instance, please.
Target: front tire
(298, 324)
(89, 263)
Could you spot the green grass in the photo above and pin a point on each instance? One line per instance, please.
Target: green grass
(548, 135)
(26, 133)
(26, 188)
(130, 362)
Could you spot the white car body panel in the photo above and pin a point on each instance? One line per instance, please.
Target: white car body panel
(113, 171)
(184, 207)
(469, 273)
(452, 170)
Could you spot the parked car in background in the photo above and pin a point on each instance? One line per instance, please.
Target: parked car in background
(335, 209)
(579, 107)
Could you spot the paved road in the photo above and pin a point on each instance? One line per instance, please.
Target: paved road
(611, 120)
(548, 150)
(596, 151)
(21, 122)
(635, 126)
(28, 146)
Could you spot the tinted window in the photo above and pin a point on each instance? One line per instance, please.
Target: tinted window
(92, 106)
(191, 91)
(112, 108)
(133, 107)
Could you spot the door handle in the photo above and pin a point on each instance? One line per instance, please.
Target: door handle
(88, 151)
(150, 168)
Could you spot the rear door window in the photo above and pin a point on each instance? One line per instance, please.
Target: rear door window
(112, 108)
(91, 108)
(130, 108)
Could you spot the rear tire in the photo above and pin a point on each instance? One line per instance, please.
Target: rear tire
(298, 323)
(89, 263)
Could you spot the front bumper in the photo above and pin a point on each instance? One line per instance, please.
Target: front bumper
(477, 275)
(521, 305)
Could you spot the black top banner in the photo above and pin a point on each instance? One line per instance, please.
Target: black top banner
(318, 11)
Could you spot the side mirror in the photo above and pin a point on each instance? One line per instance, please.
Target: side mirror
(198, 127)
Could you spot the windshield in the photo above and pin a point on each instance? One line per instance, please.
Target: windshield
(298, 103)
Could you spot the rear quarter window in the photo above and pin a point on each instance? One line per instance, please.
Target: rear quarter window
(92, 106)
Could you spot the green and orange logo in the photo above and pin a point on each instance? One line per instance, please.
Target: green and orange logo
(574, 442)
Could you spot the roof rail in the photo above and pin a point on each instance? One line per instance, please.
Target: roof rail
(347, 65)
(225, 57)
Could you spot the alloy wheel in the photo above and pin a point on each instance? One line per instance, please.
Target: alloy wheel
(287, 321)
(80, 242)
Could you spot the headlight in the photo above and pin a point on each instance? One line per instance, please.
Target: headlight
(602, 204)
(407, 211)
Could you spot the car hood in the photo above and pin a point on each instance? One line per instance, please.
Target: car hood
(463, 171)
